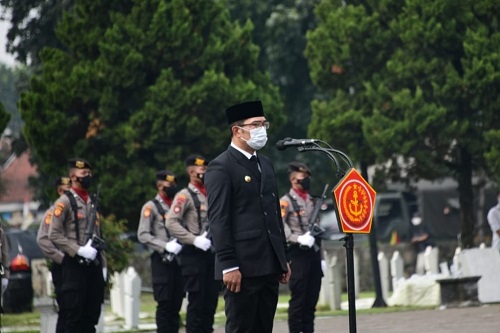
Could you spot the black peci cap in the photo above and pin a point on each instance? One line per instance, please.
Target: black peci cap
(62, 181)
(79, 163)
(244, 111)
(196, 160)
(296, 166)
(165, 175)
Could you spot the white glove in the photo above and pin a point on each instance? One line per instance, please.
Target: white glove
(104, 273)
(173, 247)
(87, 251)
(5, 283)
(323, 267)
(306, 239)
(202, 242)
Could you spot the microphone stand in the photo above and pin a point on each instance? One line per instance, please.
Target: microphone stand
(349, 238)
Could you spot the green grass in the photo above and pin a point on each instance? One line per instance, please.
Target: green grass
(21, 319)
(148, 308)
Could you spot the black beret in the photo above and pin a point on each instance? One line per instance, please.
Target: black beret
(79, 163)
(62, 181)
(298, 167)
(244, 111)
(165, 175)
(196, 160)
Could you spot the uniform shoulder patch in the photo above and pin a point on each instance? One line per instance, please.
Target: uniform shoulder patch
(48, 217)
(147, 212)
(59, 209)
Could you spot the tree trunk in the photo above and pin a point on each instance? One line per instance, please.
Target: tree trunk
(466, 198)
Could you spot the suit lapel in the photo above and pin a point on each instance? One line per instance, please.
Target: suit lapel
(245, 162)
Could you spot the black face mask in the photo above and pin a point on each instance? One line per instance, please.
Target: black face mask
(170, 191)
(305, 183)
(201, 176)
(85, 181)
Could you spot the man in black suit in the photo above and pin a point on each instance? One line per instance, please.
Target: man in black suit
(246, 225)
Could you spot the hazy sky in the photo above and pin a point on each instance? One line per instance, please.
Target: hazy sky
(5, 57)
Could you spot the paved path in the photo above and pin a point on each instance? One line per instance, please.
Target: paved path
(483, 319)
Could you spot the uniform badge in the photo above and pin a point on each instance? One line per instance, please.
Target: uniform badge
(79, 215)
(284, 207)
(177, 209)
(48, 218)
(181, 198)
(58, 210)
(248, 179)
(147, 212)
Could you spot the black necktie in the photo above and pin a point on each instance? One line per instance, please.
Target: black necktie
(254, 160)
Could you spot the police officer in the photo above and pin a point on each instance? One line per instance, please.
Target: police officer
(4, 265)
(306, 264)
(187, 221)
(83, 267)
(168, 288)
(51, 251)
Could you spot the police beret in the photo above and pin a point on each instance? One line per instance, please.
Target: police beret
(62, 181)
(165, 175)
(244, 111)
(298, 167)
(79, 163)
(196, 160)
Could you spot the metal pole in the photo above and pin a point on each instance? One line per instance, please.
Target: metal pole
(349, 247)
(379, 299)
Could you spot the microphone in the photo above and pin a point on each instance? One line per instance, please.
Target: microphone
(289, 142)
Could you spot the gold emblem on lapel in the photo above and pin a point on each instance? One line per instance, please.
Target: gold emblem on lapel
(248, 179)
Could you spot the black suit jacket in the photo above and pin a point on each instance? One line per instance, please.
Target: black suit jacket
(244, 216)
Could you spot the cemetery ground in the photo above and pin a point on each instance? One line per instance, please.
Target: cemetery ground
(389, 320)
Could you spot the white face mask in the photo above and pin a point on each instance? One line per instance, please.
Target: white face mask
(416, 221)
(258, 137)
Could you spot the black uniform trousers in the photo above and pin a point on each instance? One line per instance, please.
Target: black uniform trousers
(202, 288)
(305, 285)
(252, 310)
(168, 291)
(56, 272)
(82, 295)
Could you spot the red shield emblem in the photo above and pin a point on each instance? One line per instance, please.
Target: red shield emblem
(355, 200)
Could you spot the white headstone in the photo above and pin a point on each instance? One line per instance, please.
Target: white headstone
(324, 294)
(397, 269)
(431, 259)
(383, 266)
(116, 294)
(456, 270)
(335, 281)
(486, 263)
(443, 267)
(132, 284)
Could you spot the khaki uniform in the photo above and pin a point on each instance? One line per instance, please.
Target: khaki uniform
(197, 266)
(152, 231)
(4, 252)
(82, 286)
(62, 230)
(305, 264)
(182, 219)
(46, 245)
(168, 285)
(293, 228)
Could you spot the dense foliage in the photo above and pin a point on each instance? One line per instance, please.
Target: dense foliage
(413, 82)
(139, 86)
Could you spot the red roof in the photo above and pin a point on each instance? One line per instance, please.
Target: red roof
(15, 175)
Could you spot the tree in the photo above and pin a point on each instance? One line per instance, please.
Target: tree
(9, 94)
(141, 85)
(348, 49)
(33, 25)
(280, 32)
(434, 96)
